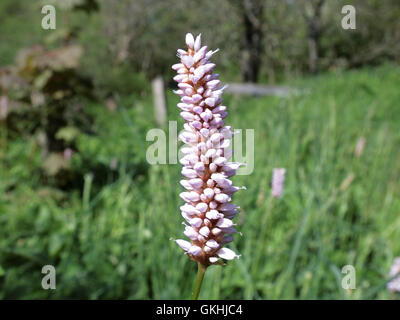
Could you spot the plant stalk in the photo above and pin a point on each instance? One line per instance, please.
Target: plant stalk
(201, 270)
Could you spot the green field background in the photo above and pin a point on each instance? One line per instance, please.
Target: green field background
(105, 222)
(113, 242)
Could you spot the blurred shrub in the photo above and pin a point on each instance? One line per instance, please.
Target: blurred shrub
(46, 95)
(116, 148)
(120, 79)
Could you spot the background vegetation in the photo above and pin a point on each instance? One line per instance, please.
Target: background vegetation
(76, 191)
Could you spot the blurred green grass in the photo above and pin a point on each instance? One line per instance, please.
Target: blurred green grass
(113, 241)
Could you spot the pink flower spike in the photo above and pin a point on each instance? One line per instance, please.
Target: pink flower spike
(278, 179)
(206, 167)
(360, 146)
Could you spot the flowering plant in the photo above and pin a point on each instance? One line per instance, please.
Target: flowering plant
(208, 209)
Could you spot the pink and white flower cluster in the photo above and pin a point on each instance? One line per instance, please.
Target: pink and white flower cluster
(208, 210)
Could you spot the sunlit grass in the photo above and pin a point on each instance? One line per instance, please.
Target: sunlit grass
(112, 241)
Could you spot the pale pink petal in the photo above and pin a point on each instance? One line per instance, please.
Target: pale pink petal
(227, 254)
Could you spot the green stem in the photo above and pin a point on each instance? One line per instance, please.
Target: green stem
(199, 280)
